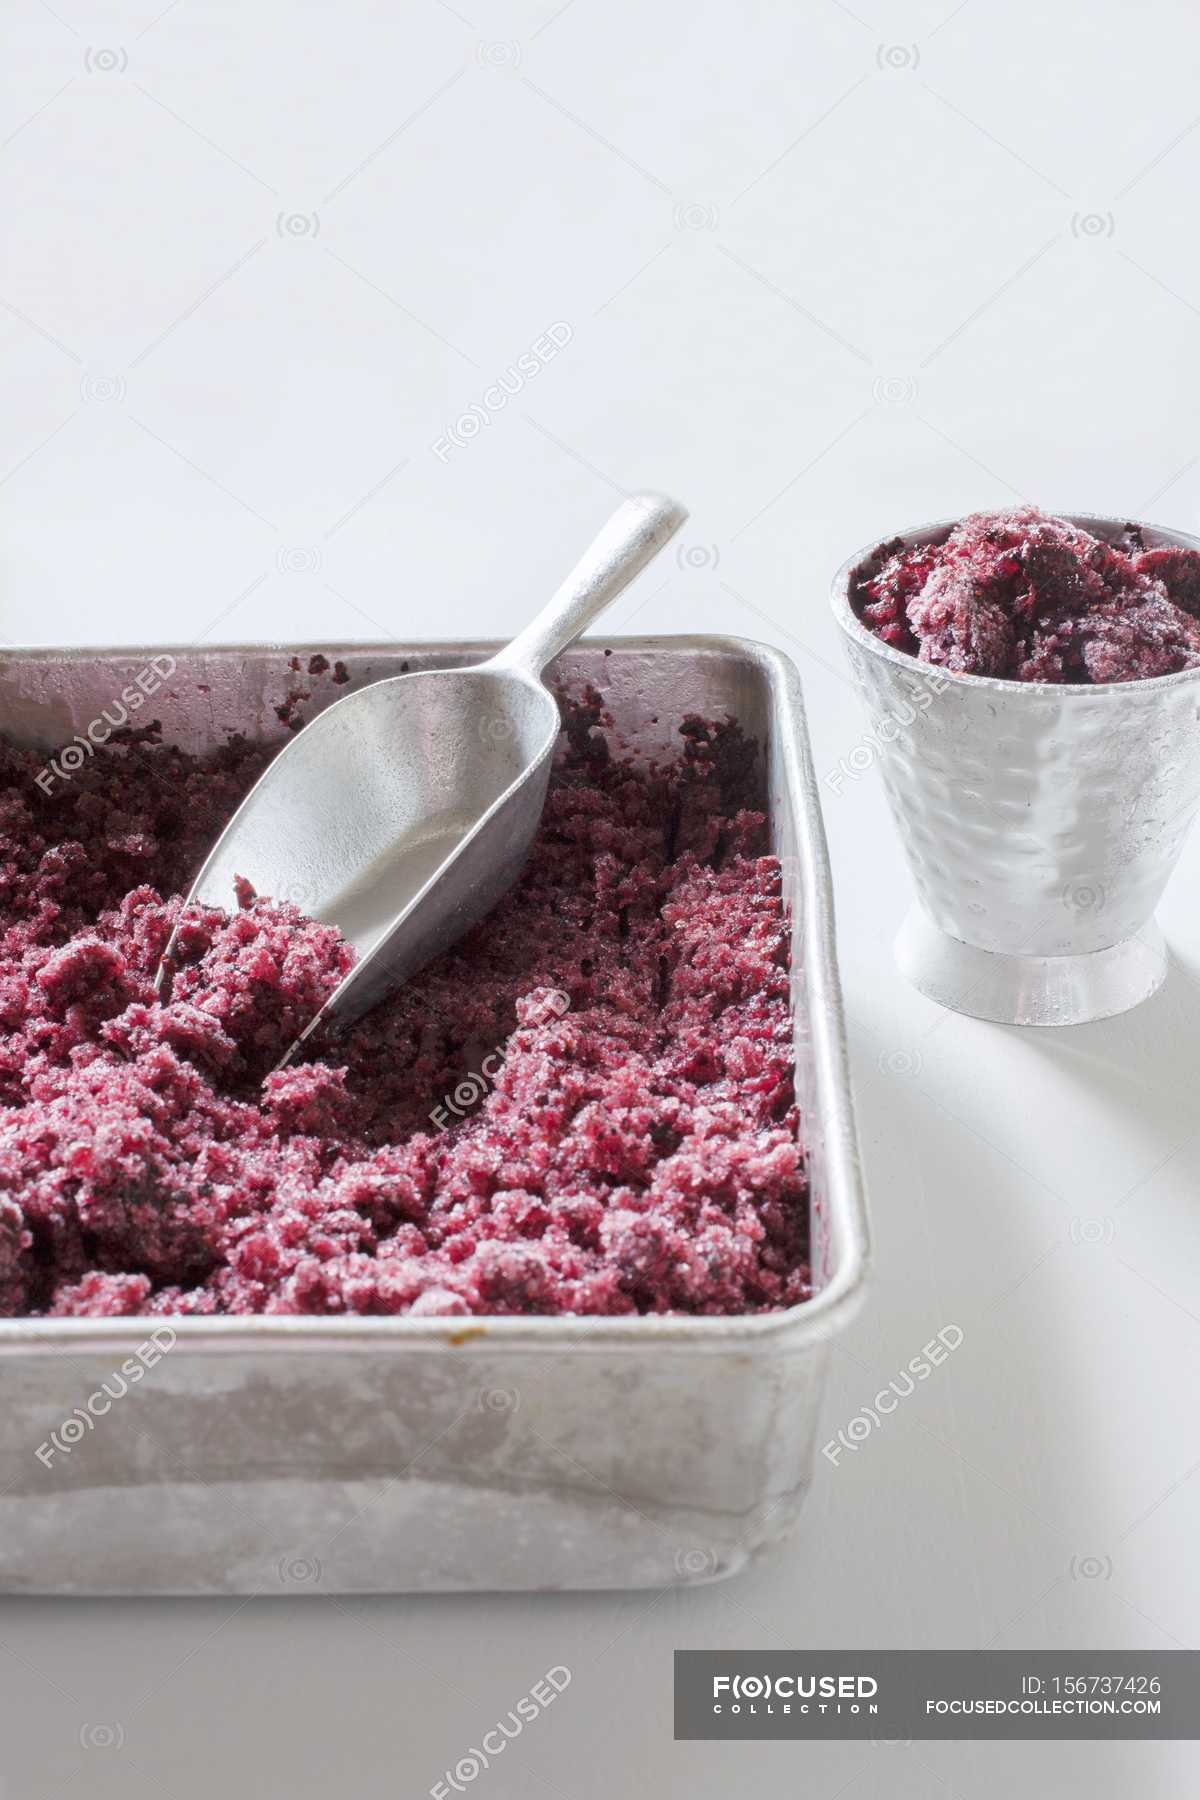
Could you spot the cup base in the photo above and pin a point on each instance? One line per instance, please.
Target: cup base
(1029, 990)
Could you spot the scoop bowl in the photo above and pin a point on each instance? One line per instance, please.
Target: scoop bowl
(404, 812)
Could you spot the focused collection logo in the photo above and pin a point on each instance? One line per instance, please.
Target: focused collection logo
(802, 1693)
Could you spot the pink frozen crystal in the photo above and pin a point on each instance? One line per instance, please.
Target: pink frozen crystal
(620, 1024)
(1028, 597)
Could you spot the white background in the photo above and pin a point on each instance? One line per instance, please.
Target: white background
(830, 269)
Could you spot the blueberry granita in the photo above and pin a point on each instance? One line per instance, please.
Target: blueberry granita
(1029, 597)
(585, 1107)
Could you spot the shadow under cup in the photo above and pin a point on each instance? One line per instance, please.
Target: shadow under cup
(1041, 821)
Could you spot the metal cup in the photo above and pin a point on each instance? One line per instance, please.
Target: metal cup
(1041, 821)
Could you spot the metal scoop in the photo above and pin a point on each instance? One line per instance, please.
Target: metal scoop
(404, 812)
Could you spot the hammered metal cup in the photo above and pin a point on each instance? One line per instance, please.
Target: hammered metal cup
(1041, 821)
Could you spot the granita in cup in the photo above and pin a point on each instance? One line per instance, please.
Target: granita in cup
(1033, 687)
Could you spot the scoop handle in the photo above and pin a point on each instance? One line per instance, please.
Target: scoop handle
(636, 532)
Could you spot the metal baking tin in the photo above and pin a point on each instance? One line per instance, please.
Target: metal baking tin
(1041, 821)
(365, 1455)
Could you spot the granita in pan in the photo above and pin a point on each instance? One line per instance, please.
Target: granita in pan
(585, 1107)
(1028, 597)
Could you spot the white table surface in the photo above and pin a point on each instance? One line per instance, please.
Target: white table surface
(828, 270)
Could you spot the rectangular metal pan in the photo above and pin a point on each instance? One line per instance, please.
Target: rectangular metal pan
(364, 1455)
